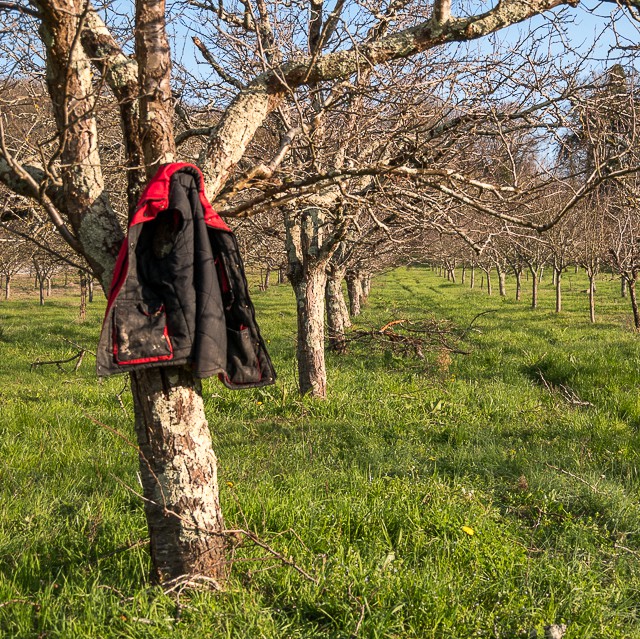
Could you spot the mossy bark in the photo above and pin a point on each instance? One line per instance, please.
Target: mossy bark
(179, 476)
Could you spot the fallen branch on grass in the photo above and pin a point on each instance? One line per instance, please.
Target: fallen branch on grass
(78, 357)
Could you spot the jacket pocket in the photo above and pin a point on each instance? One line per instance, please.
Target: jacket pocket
(243, 366)
(140, 334)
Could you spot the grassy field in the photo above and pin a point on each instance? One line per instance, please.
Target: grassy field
(482, 495)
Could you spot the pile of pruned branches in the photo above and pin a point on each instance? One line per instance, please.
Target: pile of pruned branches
(411, 338)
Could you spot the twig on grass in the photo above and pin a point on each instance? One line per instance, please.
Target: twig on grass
(78, 346)
(79, 356)
(635, 553)
(360, 620)
(120, 394)
(192, 582)
(287, 561)
(473, 321)
(582, 481)
(568, 394)
(26, 602)
(131, 546)
(233, 533)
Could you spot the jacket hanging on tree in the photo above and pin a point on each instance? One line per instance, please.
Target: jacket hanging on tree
(179, 294)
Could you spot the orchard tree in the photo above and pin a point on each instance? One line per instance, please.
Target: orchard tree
(14, 257)
(266, 59)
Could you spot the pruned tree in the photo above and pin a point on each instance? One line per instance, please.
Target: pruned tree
(267, 62)
(14, 256)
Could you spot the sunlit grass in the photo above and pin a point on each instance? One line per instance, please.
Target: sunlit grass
(373, 491)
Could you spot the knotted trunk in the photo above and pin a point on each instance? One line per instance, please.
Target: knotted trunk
(502, 284)
(354, 291)
(366, 287)
(178, 467)
(267, 278)
(337, 313)
(309, 288)
(179, 476)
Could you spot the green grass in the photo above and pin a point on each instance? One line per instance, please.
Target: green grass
(368, 490)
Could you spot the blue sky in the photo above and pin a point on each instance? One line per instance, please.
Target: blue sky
(593, 28)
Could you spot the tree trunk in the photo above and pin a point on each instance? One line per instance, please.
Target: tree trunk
(179, 475)
(502, 284)
(83, 296)
(452, 275)
(623, 286)
(354, 291)
(557, 273)
(90, 288)
(534, 289)
(592, 298)
(48, 287)
(7, 287)
(177, 464)
(337, 313)
(41, 290)
(366, 287)
(464, 274)
(281, 275)
(473, 277)
(489, 287)
(267, 278)
(634, 303)
(518, 285)
(309, 288)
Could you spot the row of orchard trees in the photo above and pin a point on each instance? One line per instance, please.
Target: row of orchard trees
(344, 134)
(19, 256)
(593, 228)
(535, 201)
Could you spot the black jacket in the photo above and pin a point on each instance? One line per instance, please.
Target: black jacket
(179, 294)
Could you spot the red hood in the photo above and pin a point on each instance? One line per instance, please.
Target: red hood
(155, 197)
